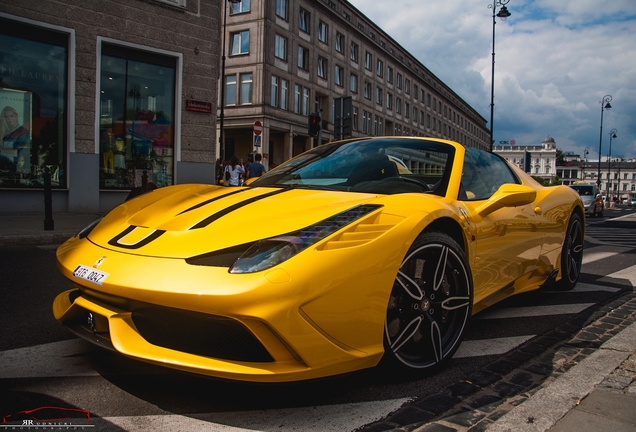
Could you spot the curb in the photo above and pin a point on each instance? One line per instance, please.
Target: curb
(37, 239)
(488, 395)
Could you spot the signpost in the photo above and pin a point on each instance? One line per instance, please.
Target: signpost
(258, 128)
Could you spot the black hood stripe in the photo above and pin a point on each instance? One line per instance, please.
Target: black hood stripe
(211, 200)
(143, 242)
(208, 220)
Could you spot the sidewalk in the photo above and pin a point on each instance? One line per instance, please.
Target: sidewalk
(597, 393)
(19, 229)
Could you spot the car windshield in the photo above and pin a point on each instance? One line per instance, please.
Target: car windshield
(584, 190)
(383, 165)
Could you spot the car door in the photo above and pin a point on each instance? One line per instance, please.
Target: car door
(507, 242)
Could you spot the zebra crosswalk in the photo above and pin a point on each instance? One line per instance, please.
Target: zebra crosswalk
(76, 372)
(600, 234)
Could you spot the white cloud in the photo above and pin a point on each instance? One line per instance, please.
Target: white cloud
(554, 63)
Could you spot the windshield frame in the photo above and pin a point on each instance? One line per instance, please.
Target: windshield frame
(334, 166)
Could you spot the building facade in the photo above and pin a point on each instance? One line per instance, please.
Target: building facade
(617, 176)
(537, 160)
(287, 59)
(104, 97)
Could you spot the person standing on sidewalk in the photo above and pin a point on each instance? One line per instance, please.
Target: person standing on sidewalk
(233, 172)
(256, 168)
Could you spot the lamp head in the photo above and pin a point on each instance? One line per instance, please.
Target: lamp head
(503, 13)
(607, 106)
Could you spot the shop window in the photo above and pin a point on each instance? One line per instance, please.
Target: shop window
(33, 100)
(137, 115)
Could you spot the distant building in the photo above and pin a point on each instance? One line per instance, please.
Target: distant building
(541, 159)
(621, 185)
(571, 168)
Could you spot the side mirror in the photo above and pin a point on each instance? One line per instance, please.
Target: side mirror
(508, 195)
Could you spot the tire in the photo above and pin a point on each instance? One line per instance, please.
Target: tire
(430, 305)
(572, 254)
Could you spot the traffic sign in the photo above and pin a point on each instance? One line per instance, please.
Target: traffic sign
(258, 128)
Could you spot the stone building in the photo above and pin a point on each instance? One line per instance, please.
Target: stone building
(287, 59)
(537, 160)
(104, 96)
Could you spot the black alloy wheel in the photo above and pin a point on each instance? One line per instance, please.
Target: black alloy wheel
(430, 304)
(572, 253)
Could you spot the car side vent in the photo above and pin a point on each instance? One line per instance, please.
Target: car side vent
(359, 235)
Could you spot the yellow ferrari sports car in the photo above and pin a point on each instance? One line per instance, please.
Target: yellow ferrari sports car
(353, 253)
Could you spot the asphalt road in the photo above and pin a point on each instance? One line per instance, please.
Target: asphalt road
(41, 364)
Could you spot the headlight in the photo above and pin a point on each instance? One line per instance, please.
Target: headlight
(270, 252)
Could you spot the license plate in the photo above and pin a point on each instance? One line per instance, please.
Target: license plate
(90, 274)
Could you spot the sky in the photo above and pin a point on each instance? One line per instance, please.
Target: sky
(554, 63)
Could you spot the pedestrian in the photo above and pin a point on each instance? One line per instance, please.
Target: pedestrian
(233, 172)
(256, 168)
(218, 170)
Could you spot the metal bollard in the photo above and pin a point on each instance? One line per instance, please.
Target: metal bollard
(48, 201)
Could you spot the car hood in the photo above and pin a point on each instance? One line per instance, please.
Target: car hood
(188, 220)
(587, 199)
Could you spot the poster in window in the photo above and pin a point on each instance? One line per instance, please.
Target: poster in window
(15, 134)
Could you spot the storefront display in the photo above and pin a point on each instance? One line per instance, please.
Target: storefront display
(136, 119)
(33, 65)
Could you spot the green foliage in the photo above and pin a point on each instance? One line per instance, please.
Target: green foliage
(540, 180)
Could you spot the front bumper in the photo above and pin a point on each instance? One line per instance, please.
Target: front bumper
(285, 324)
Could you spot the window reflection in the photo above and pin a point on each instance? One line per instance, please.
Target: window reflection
(136, 120)
(32, 107)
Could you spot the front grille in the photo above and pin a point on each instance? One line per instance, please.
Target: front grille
(200, 334)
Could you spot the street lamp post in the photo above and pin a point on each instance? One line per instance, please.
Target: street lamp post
(605, 104)
(612, 134)
(503, 14)
(222, 83)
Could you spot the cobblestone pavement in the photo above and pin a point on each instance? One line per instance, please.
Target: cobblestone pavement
(476, 403)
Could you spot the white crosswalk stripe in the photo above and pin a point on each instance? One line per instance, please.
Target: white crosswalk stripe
(589, 257)
(326, 418)
(610, 236)
(534, 311)
(628, 273)
(71, 358)
(484, 347)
